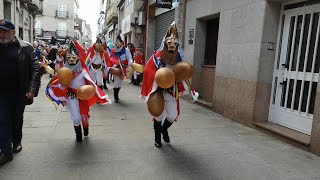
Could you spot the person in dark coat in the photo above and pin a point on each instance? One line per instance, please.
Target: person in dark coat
(20, 78)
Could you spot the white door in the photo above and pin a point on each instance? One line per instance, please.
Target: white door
(296, 72)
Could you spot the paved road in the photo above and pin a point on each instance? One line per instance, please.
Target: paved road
(205, 145)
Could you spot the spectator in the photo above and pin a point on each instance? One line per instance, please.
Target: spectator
(18, 63)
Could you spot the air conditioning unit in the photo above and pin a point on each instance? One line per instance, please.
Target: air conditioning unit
(141, 18)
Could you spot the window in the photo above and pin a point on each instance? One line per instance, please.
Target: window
(62, 29)
(62, 10)
(7, 10)
(21, 17)
(37, 27)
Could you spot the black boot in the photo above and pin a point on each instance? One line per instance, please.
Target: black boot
(77, 129)
(164, 130)
(105, 83)
(157, 133)
(86, 131)
(116, 94)
(101, 87)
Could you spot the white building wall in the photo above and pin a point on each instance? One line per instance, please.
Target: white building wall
(50, 23)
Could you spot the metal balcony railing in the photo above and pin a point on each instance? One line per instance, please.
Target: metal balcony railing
(62, 14)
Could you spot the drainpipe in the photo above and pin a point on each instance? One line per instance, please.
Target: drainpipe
(145, 30)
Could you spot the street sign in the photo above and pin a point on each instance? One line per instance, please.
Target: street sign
(164, 4)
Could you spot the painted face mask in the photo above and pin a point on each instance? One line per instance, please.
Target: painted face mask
(98, 47)
(72, 55)
(72, 59)
(172, 38)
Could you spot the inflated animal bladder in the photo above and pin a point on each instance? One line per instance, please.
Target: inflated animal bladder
(155, 103)
(137, 67)
(165, 77)
(86, 92)
(65, 76)
(183, 71)
(115, 71)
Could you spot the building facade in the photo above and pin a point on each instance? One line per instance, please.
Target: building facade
(256, 62)
(22, 13)
(129, 26)
(58, 20)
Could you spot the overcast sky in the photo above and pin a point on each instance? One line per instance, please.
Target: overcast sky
(89, 11)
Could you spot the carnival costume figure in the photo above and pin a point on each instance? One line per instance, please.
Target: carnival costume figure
(60, 59)
(97, 59)
(107, 77)
(74, 87)
(138, 59)
(164, 81)
(120, 58)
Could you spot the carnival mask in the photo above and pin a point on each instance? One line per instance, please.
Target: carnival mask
(172, 43)
(98, 47)
(72, 59)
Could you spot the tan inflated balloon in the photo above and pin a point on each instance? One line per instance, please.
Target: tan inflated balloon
(115, 71)
(183, 71)
(130, 71)
(165, 77)
(86, 92)
(65, 76)
(155, 103)
(137, 67)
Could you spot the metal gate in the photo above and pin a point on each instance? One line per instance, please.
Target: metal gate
(163, 21)
(296, 72)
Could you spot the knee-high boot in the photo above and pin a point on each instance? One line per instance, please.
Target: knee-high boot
(164, 130)
(116, 94)
(157, 133)
(77, 129)
(105, 83)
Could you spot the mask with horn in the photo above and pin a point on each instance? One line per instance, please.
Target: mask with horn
(170, 45)
(72, 55)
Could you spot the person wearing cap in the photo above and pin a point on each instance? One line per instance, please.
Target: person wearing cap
(120, 57)
(61, 93)
(169, 54)
(97, 61)
(19, 71)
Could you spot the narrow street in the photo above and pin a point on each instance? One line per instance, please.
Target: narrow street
(204, 145)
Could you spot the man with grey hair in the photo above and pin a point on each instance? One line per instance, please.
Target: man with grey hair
(20, 78)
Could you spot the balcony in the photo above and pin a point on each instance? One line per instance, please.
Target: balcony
(112, 14)
(62, 14)
(62, 33)
(39, 32)
(35, 6)
(26, 1)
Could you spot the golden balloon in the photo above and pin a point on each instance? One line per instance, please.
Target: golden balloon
(183, 71)
(165, 78)
(130, 71)
(137, 67)
(65, 76)
(155, 103)
(86, 92)
(115, 71)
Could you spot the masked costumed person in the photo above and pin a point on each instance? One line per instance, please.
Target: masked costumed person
(164, 80)
(97, 58)
(73, 87)
(109, 77)
(138, 59)
(120, 57)
(59, 59)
